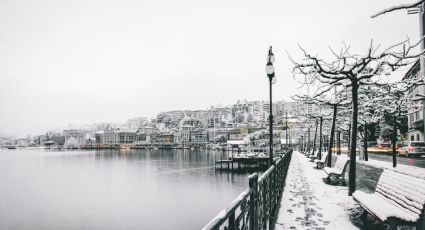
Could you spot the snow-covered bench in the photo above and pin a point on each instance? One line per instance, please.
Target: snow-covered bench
(308, 153)
(338, 171)
(398, 200)
(321, 163)
(314, 157)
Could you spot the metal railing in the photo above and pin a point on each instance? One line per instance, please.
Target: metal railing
(256, 207)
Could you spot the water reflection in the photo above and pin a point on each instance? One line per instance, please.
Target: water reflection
(113, 189)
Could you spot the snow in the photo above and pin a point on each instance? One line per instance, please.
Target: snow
(220, 216)
(308, 202)
(324, 155)
(339, 166)
(382, 207)
(397, 195)
(397, 7)
(403, 169)
(236, 142)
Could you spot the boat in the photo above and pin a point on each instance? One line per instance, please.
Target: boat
(11, 146)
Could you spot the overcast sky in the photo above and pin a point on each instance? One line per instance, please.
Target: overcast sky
(84, 61)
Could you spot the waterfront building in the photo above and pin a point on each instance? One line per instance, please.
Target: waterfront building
(199, 136)
(127, 137)
(99, 137)
(143, 135)
(185, 133)
(110, 137)
(58, 139)
(162, 138)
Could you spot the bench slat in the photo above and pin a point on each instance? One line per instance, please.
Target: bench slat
(383, 208)
(404, 185)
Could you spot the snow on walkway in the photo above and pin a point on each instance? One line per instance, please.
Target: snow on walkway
(309, 203)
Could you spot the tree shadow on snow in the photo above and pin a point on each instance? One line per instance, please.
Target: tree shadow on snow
(368, 223)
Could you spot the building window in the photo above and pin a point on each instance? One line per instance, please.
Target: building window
(412, 138)
(417, 137)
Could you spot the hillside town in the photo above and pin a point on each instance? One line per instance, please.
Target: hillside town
(177, 129)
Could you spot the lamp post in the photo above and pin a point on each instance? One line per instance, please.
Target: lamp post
(272, 80)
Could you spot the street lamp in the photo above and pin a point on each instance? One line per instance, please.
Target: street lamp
(272, 80)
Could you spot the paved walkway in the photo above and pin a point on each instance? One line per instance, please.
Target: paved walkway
(309, 203)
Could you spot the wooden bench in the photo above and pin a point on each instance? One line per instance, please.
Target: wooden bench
(338, 171)
(321, 163)
(316, 156)
(310, 154)
(398, 200)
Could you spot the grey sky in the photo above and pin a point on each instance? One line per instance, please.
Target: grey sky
(85, 61)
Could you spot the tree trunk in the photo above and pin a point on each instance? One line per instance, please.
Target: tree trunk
(308, 140)
(349, 139)
(315, 137)
(329, 163)
(366, 157)
(394, 141)
(339, 143)
(319, 154)
(302, 144)
(352, 174)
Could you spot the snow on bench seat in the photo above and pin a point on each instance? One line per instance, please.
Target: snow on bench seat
(396, 196)
(339, 167)
(337, 173)
(312, 155)
(320, 163)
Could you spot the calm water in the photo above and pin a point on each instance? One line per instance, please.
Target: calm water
(126, 189)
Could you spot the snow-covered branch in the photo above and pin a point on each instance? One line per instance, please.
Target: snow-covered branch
(398, 7)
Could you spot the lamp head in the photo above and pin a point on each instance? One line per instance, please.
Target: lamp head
(269, 69)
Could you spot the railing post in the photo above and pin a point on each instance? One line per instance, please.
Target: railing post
(264, 204)
(232, 221)
(271, 195)
(253, 207)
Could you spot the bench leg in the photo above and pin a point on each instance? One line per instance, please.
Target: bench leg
(342, 180)
(363, 218)
(328, 179)
(392, 223)
(421, 223)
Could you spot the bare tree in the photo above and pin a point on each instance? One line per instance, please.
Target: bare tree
(352, 71)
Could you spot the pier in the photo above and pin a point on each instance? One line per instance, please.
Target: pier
(247, 160)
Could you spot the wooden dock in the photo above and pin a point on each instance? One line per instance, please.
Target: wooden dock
(257, 162)
(244, 161)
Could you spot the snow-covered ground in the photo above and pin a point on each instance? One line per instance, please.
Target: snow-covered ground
(404, 169)
(309, 203)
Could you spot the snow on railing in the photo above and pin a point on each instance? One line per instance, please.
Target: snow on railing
(255, 207)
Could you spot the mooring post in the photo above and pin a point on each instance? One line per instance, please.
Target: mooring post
(253, 208)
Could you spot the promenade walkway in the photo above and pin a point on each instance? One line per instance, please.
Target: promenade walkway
(309, 203)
